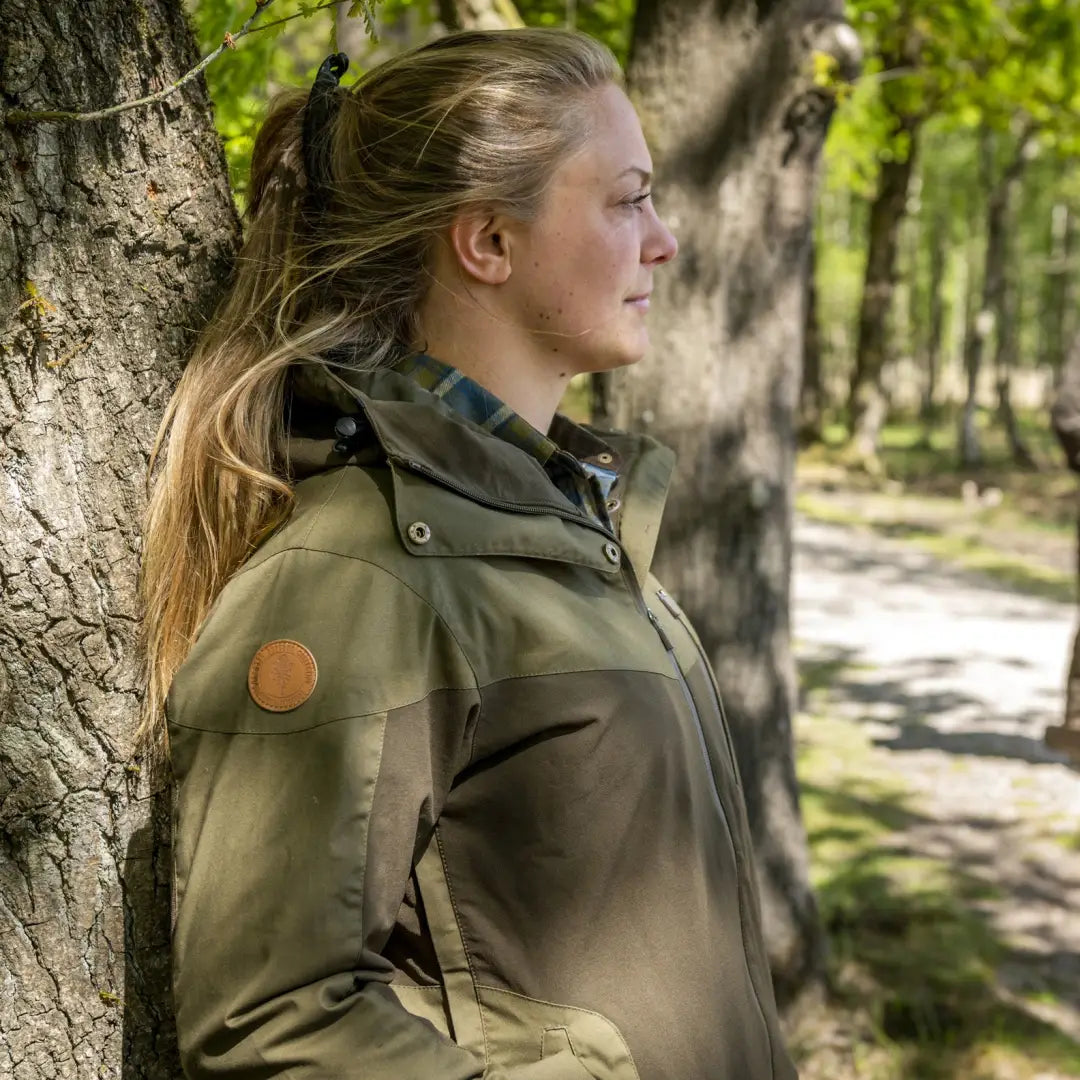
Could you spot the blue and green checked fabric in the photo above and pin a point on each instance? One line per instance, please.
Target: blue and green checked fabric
(584, 483)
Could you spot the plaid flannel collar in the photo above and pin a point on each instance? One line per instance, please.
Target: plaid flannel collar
(581, 465)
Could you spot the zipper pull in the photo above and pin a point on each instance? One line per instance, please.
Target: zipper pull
(660, 630)
(669, 602)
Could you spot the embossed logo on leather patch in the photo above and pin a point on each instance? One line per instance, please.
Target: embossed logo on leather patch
(282, 675)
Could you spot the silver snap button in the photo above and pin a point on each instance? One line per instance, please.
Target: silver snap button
(605, 458)
(612, 553)
(613, 505)
(419, 532)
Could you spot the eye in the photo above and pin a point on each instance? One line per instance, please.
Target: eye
(637, 202)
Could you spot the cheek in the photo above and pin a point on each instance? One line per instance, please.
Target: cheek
(579, 275)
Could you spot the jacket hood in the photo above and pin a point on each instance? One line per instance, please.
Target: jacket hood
(426, 442)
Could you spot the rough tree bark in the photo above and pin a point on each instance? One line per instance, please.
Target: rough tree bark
(114, 236)
(736, 128)
(866, 401)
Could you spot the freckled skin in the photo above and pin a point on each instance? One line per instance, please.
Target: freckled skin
(522, 306)
(591, 248)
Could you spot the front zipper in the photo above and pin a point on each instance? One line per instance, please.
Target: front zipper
(669, 602)
(669, 648)
(632, 587)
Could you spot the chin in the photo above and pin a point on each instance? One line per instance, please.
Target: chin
(621, 354)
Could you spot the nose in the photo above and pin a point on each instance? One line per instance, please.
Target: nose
(661, 246)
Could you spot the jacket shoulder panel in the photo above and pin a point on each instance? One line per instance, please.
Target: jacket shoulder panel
(377, 645)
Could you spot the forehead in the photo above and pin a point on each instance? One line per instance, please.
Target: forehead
(614, 142)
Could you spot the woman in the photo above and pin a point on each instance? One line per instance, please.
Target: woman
(454, 792)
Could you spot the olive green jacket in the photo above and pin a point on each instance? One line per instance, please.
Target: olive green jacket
(493, 827)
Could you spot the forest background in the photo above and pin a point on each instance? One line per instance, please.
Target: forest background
(921, 286)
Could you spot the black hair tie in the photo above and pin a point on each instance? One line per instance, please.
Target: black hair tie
(318, 114)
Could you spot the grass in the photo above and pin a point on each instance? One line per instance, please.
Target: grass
(962, 549)
(910, 952)
(1015, 526)
(925, 462)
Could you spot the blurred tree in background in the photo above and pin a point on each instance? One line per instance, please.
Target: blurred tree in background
(950, 170)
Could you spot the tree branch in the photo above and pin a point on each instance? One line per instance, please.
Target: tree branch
(25, 116)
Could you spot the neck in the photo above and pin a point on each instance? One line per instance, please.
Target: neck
(514, 368)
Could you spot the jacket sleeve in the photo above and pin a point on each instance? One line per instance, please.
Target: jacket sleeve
(295, 831)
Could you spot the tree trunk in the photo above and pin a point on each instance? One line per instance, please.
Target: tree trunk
(1008, 348)
(812, 394)
(936, 299)
(866, 401)
(481, 14)
(967, 434)
(736, 132)
(915, 328)
(114, 238)
(1057, 321)
(998, 209)
(1005, 364)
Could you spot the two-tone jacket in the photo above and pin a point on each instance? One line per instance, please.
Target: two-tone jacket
(454, 792)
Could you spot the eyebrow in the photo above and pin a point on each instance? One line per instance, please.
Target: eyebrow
(645, 175)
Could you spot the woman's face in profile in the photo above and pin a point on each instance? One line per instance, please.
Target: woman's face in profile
(583, 269)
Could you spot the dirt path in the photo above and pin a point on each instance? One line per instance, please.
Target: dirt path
(955, 679)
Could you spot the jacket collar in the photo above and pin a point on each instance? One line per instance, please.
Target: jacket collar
(434, 452)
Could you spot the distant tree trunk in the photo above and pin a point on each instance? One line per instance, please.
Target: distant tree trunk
(1005, 364)
(812, 395)
(915, 326)
(480, 14)
(936, 303)
(866, 402)
(998, 209)
(1057, 320)
(737, 161)
(115, 237)
(1008, 348)
(971, 310)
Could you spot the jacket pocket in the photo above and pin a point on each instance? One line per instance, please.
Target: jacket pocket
(557, 1050)
(555, 1040)
(587, 1044)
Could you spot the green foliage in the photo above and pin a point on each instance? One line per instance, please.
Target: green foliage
(610, 21)
(971, 78)
(971, 63)
(243, 80)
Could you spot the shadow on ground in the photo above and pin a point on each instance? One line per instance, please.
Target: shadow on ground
(910, 947)
(863, 694)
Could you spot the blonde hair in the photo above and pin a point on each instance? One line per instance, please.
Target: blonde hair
(469, 120)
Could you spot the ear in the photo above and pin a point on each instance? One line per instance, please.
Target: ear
(481, 247)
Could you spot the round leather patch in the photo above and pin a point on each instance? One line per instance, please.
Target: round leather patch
(282, 675)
